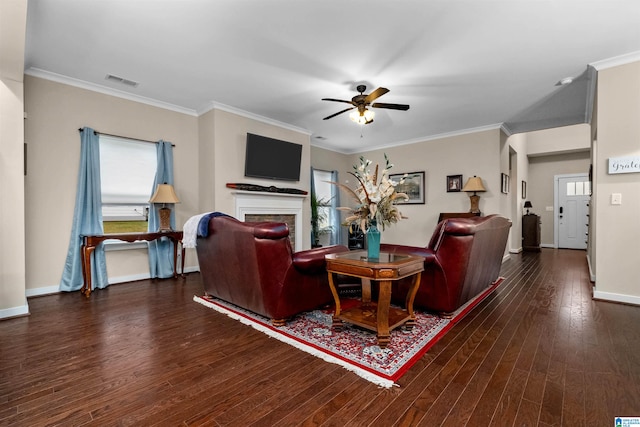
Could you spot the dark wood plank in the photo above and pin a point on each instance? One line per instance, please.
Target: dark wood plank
(538, 351)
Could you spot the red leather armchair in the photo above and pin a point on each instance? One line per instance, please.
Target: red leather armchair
(462, 259)
(251, 265)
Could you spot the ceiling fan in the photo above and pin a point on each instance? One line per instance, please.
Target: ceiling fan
(363, 115)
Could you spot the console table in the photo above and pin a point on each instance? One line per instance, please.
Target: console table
(379, 317)
(90, 242)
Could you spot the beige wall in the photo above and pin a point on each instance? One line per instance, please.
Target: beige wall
(468, 154)
(13, 15)
(229, 143)
(618, 135)
(55, 113)
(540, 191)
(559, 140)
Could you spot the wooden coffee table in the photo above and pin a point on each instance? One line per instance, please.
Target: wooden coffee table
(378, 316)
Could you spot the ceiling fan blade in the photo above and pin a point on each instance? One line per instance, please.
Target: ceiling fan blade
(375, 94)
(339, 112)
(338, 100)
(402, 107)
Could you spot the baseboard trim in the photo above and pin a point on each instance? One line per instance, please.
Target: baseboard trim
(547, 245)
(515, 251)
(38, 292)
(592, 274)
(49, 290)
(611, 297)
(20, 311)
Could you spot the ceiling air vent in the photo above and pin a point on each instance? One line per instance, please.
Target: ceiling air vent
(121, 80)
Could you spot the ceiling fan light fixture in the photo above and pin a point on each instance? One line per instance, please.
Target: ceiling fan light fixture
(362, 118)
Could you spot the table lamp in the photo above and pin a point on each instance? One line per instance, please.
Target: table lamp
(527, 206)
(164, 194)
(474, 185)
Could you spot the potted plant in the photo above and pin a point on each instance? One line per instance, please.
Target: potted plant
(318, 218)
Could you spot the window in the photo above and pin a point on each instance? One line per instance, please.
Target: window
(127, 172)
(579, 188)
(322, 185)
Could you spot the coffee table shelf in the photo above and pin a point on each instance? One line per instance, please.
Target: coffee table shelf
(379, 317)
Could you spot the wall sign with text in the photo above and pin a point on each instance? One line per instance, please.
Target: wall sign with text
(628, 164)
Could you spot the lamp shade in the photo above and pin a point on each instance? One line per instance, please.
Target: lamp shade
(528, 204)
(164, 194)
(474, 184)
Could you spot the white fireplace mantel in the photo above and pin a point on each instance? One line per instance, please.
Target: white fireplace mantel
(264, 203)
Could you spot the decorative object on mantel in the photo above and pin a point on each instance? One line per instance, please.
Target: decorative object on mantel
(527, 206)
(376, 202)
(164, 194)
(270, 189)
(474, 185)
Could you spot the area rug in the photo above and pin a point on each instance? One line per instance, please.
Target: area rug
(353, 348)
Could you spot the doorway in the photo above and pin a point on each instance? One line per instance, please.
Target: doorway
(572, 194)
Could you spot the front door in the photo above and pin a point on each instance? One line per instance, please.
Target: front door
(574, 193)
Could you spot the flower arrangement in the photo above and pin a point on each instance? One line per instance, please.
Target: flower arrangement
(376, 198)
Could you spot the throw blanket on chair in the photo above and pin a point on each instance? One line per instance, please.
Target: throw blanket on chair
(197, 226)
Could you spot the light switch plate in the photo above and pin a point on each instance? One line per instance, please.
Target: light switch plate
(616, 198)
(549, 208)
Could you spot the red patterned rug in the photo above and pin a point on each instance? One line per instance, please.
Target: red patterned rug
(353, 348)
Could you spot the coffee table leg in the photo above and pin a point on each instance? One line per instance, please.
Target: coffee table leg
(337, 322)
(411, 296)
(384, 301)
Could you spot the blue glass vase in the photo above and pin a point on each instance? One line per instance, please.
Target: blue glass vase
(373, 241)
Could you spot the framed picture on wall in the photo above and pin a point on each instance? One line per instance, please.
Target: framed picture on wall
(413, 186)
(454, 183)
(524, 189)
(505, 183)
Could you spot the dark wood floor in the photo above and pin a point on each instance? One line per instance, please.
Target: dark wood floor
(539, 351)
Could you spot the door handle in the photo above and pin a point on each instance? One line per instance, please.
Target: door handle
(561, 210)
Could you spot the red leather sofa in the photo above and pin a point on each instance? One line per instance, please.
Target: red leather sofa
(462, 259)
(251, 265)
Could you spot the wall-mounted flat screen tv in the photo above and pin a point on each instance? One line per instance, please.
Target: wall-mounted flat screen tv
(272, 159)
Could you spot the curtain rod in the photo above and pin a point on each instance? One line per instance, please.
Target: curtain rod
(127, 137)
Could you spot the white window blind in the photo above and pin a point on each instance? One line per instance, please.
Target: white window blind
(127, 171)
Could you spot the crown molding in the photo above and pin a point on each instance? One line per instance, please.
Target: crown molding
(495, 126)
(627, 58)
(252, 116)
(59, 78)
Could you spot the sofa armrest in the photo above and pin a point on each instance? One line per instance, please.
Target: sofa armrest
(428, 254)
(312, 260)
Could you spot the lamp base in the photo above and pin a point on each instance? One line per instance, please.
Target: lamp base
(475, 204)
(165, 219)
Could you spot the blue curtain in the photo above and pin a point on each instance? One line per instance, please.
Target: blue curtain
(161, 250)
(336, 230)
(87, 218)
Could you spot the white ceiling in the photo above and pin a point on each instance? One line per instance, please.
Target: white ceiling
(461, 65)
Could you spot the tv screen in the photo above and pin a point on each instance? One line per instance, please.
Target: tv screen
(272, 159)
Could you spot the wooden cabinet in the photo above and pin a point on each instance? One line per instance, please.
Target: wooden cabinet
(531, 233)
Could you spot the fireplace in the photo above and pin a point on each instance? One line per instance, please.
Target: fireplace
(277, 207)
